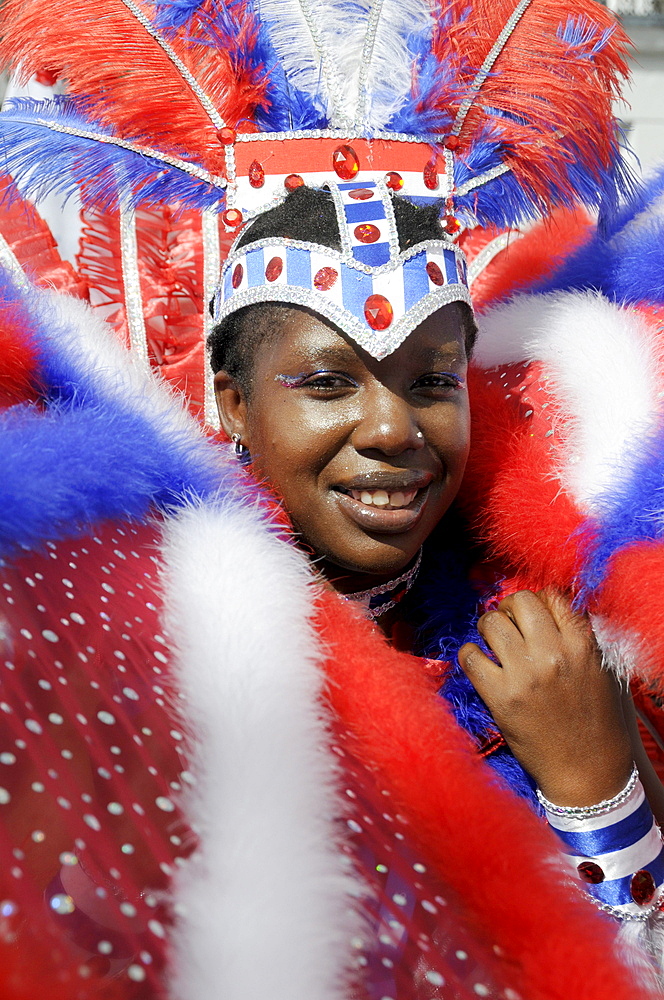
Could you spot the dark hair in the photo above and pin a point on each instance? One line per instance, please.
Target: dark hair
(305, 212)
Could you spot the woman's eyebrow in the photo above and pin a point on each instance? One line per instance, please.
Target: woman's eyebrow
(324, 355)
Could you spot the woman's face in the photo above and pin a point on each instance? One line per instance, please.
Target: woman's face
(367, 455)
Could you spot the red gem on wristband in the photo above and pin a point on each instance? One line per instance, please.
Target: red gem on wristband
(642, 887)
(590, 872)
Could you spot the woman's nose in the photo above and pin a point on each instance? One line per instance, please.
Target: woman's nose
(389, 425)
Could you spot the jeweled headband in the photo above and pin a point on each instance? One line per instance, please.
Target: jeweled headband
(370, 288)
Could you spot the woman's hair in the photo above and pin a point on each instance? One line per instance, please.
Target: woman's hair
(308, 214)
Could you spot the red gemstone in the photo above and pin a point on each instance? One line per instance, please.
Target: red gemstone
(361, 194)
(452, 142)
(345, 162)
(378, 312)
(435, 273)
(325, 278)
(367, 233)
(642, 887)
(232, 218)
(256, 174)
(590, 872)
(293, 181)
(238, 272)
(430, 174)
(274, 268)
(226, 136)
(451, 225)
(393, 180)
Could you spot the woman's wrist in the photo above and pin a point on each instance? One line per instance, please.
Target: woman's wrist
(615, 848)
(598, 808)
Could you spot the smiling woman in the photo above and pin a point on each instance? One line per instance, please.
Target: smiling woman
(366, 454)
(311, 708)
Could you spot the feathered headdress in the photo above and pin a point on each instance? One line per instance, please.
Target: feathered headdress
(500, 109)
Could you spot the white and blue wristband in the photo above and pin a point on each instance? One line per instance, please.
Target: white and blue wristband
(615, 848)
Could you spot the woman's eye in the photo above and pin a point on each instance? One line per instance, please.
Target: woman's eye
(439, 381)
(321, 381)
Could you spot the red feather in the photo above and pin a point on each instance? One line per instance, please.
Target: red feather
(541, 89)
(137, 88)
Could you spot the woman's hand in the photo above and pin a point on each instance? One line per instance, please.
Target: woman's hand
(558, 709)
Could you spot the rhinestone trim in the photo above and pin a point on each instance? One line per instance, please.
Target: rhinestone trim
(337, 133)
(203, 98)
(481, 179)
(618, 914)
(362, 108)
(188, 168)
(342, 256)
(586, 812)
(132, 286)
(377, 345)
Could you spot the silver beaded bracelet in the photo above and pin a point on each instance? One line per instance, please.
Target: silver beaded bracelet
(586, 812)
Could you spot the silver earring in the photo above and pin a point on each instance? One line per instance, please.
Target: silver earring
(237, 446)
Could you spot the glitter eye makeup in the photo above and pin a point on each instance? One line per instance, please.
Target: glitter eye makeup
(292, 381)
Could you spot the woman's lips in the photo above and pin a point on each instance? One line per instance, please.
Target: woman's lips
(383, 519)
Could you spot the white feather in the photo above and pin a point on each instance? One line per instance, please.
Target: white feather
(322, 46)
(294, 45)
(93, 347)
(390, 76)
(601, 363)
(265, 902)
(640, 945)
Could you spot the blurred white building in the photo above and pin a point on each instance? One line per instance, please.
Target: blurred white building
(643, 109)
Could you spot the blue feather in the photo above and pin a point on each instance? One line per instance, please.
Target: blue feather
(77, 463)
(622, 260)
(631, 511)
(173, 14)
(46, 161)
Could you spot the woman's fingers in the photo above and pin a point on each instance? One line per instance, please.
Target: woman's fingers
(532, 616)
(480, 669)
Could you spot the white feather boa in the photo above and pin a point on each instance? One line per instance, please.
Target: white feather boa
(602, 365)
(265, 904)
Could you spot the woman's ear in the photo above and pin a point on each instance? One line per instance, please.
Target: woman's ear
(231, 406)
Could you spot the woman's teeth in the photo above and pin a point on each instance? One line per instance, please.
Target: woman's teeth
(381, 498)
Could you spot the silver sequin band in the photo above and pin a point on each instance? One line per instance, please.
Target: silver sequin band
(487, 65)
(205, 102)
(132, 286)
(188, 168)
(211, 268)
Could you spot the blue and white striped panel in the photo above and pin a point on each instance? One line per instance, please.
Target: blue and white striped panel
(361, 213)
(623, 841)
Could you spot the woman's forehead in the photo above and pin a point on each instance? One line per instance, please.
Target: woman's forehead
(308, 338)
